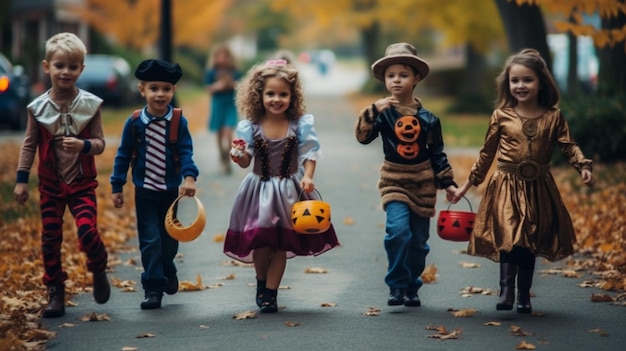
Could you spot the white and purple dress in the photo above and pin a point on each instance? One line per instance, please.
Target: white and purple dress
(261, 215)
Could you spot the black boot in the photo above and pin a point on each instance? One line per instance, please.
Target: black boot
(508, 272)
(172, 284)
(396, 297)
(101, 287)
(260, 288)
(524, 283)
(56, 301)
(412, 298)
(152, 300)
(269, 304)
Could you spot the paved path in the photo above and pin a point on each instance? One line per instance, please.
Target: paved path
(346, 177)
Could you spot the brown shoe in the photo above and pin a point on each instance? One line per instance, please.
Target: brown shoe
(56, 301)
(101, 287)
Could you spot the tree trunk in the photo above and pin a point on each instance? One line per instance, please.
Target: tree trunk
(612, 71)
(572, 69)
(524, 27)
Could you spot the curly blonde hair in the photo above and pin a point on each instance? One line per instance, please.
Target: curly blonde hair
(250, 90)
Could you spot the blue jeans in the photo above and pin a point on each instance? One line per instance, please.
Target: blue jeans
(406, 246)
(158, 249)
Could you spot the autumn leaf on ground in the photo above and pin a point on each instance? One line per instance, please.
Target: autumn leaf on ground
(523, 345)
(236, 263)
(292, 324)
(145, 335)
(443, 334)
(473, 290)
(124, 285)
(497, 324)
(517, 331)
(245, 315)
(601, 298)
(228, 277)
(470, 265)
(468, 312)
(67, 325)
(372, 312)
(328, 304)
(430, 274)
(130, 348)
(599, 331)
(315, 270)
(202, 326)
(95, 317)
(348, 221)
(218, 238)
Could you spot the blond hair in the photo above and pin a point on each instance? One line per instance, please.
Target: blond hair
(250, 91)
(67, 43)
(231, 63)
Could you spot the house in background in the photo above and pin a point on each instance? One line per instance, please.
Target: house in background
(33, 22)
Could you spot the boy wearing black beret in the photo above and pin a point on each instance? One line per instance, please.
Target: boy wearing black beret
(157, 143)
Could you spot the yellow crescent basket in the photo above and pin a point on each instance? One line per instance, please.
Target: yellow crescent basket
(185, 233)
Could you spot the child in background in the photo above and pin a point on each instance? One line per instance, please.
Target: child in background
(65, 124)
(276, 134)
(158, 168)
(220, 80)
(521, 214)
(414, 167)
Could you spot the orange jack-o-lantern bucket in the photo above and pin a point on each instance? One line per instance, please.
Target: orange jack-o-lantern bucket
(181, 232)
(456, 225)
(310, 216)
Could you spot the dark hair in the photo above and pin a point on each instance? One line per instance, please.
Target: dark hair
(548, 92)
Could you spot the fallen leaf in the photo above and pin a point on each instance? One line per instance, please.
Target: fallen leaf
(292, 324)
(145, 335)
(599, 331)
(601, 298)
(316, 270)
(328, 304)
(517, 331)
(470, 265)
(228, 277)
(523, 345)
(468, 312)
(444, 335)
(493, 323)
(129, 348)
(245, 315)
(67, 325)
(348, 221)
(218, 238)
(372, 312)
(95, 317)
(430, 274)
(202, 326)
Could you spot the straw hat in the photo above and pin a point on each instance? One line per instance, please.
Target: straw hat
(400, 53)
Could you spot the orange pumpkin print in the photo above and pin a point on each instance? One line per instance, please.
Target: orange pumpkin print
(407, 129)
(408, 151)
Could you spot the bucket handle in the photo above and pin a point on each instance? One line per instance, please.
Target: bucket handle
(314, 189)
(468, 202)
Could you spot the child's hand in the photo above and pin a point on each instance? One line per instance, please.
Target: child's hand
(189, 187)
(307, 185)
(587, 177)
(460, 192)
(237, 148)
(72, 144)
(118, 200)
(21, 193)
(385, 103)
(450, 192)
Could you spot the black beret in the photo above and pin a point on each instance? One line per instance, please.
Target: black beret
(158, 71)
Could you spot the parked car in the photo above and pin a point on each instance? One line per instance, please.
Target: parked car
(14, 95)
(109, 77)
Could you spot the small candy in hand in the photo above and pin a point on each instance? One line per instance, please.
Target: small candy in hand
(237, 147)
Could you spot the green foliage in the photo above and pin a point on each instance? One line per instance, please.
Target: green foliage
(598, 124)
(10, 210)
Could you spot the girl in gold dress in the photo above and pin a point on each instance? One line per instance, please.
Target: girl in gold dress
(522, 215)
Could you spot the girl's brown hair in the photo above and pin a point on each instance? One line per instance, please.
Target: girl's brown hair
(250, 90)
(231, 62)
(548, 92)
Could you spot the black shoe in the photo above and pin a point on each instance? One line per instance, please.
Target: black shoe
(152, 300)
(269, 304)
(396, 297)
(101, 287)
(172, 285)
(56, 302)
(412, 299)
(260, 289)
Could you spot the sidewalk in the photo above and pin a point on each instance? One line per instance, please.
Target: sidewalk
(353, 285)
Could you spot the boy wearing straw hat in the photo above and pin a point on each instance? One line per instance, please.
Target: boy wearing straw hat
(157, 143)
(414, 167)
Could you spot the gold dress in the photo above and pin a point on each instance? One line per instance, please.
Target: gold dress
(521, 205)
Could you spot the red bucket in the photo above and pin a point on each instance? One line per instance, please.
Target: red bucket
(456, 225)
